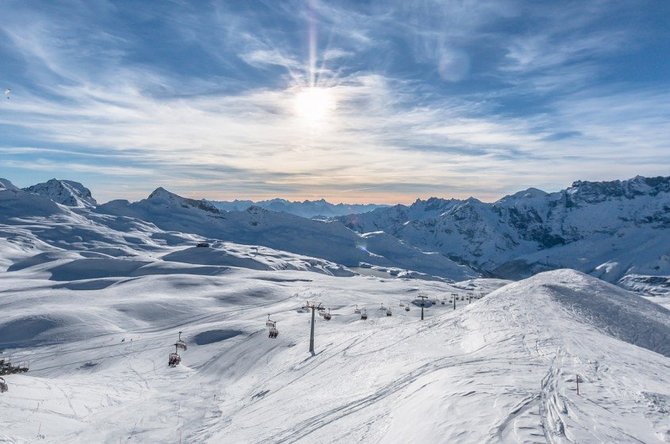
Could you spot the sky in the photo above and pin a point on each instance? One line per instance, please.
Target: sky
(361, 101)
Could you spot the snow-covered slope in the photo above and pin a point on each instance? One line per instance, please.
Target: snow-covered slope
(65, 192)
(16, 203)
(609, 229)
(501, 369)
(306, 208)
(281, 231)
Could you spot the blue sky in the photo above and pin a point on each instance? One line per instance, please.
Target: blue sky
(380, 101)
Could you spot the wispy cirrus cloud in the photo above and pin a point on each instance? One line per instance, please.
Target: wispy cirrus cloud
(432, 98)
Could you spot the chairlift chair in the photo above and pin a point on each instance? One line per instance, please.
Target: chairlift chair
(273, 333)
(174, 358)
(327, 315)
(388, 312)
(407, 307)
(180, 343)
(357, 310)
(364, 315)
(3, 385)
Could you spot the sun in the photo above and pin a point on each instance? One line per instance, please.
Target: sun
(314, 104)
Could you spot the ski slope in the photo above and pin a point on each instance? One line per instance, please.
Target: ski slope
(93, 301)
(500, 369)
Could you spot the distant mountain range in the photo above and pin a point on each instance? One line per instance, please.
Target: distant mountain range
(306, 208)
(618, 230)
(121, 224)
(607, 229)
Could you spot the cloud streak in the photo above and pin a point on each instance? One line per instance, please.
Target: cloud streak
(480, 108)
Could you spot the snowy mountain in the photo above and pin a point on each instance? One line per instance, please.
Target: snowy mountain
(306, 208)
(608, 229)
(16, 203)
(257, 226)
(65, 192)
(93, 300)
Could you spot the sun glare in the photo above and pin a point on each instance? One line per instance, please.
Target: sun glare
(314, 104)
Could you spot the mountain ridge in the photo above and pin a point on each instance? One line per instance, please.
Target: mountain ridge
(524, 232)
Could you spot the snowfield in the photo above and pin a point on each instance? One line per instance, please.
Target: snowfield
(93, 302)
(500, 369)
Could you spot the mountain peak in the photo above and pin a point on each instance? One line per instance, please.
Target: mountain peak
(162, 196)
(529, 193)
(161, 193)
(64, 192)
(6, 185)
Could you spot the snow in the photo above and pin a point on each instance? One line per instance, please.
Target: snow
(65, 192)
(608, 229)
(256, 226)
(92, 302)
(500, 369)
(307, 208)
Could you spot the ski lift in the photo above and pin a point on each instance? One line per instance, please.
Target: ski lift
(407, 307)
(444, 300)
(388, 312)
(327, 315)
(6, 367)
(8, 93)
(357, 310)
(174, 358)
(364, 315)
(180, 343)
(3, 385)
(273, 333)
(272, 325)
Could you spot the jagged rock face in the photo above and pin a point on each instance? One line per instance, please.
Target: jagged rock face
(64, 192)
(534, 230)
(591, 192)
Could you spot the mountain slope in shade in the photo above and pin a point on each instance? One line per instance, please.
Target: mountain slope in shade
(16, 203)
(608, 229)
(65, 192)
